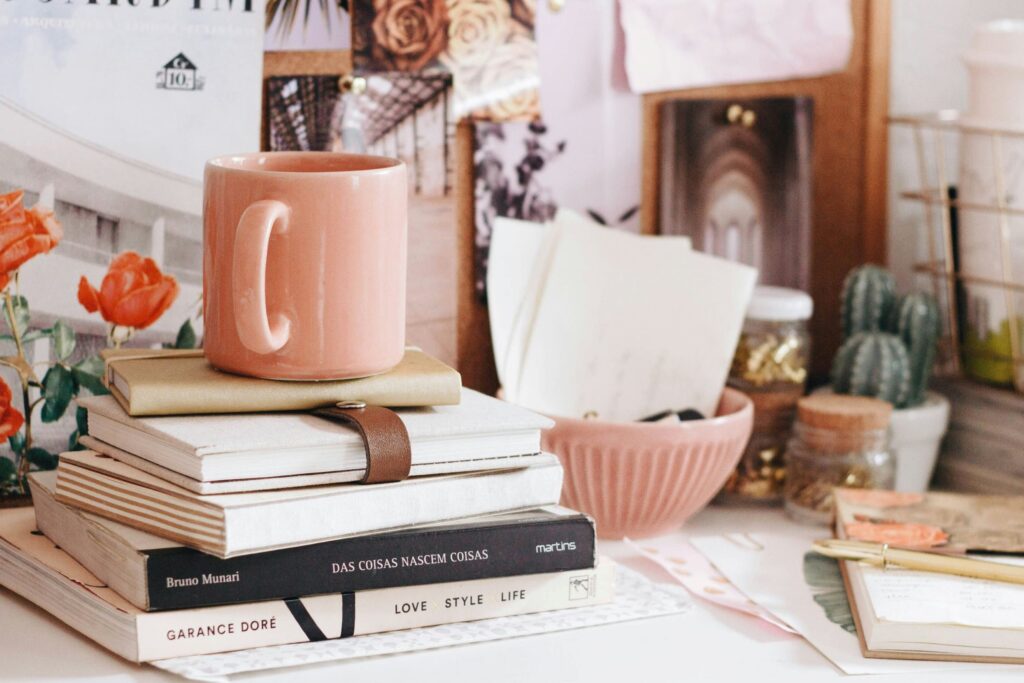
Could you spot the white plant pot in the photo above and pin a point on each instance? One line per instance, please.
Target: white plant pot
(916, 436)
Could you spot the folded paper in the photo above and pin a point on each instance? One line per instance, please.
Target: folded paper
(621, 325)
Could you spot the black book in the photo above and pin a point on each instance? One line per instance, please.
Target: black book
(156, 574)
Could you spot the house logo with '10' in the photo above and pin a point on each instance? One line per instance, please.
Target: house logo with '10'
(179, 74)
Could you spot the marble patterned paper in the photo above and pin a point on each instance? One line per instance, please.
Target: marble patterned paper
(672, 45)
(636, 597)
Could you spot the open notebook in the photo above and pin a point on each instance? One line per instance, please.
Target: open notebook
(902, 614)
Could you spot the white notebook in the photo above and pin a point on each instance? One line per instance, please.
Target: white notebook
(478, 434)
(242, 523)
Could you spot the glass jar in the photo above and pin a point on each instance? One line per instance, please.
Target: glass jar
(837, 441)
(770, 366)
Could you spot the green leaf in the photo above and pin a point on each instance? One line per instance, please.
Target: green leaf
(63, 340)
(58, 388)
(91, 382)
(17, 441)
(73, 444)
(82, 420)
(21, 314)
(41, 458)
(8, 472)
(186, 336)
(89, 374)
(92, 365)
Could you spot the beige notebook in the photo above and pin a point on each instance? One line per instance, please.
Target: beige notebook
(171, 382)
(233, 524)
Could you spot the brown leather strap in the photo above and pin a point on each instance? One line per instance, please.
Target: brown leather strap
(388, 451)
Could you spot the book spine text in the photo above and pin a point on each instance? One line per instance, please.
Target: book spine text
(279, 622)
(180, 578)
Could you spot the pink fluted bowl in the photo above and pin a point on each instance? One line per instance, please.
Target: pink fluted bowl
(641, 479)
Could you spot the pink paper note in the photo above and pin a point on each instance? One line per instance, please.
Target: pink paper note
(697, 575)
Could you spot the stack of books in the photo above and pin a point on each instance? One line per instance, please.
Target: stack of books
(196, 524)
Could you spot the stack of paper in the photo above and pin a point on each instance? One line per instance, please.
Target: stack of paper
(587, 319)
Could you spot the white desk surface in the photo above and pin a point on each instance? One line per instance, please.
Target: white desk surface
(708, 644)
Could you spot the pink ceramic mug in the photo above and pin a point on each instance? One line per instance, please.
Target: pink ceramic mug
(304, 267)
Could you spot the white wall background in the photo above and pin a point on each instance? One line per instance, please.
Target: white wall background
(926, 74)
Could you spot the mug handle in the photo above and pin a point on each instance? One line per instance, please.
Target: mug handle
(249, 277)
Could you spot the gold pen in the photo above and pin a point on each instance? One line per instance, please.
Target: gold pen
(885, 556)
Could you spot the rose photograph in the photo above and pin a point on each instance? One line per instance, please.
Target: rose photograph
(84, 265)
(487, 45)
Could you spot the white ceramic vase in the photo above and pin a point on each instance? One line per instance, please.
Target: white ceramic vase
(995, 65)
(916, 437)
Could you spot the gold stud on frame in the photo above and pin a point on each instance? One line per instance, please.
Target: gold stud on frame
(556, 5)
(737, 115)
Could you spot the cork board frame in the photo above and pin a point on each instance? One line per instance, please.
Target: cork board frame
(291, 63)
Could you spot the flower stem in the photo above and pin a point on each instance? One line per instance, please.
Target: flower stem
(21, 459)
(15, 332)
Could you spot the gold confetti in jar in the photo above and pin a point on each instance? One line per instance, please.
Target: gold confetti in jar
(837, 441)
(770, 366)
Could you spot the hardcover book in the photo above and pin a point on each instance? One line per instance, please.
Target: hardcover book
(32, 566)
(147, 382)
(228, 525)
(904, 614)
(155, 574)
(478, 434)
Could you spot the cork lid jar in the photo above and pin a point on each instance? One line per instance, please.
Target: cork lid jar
(837, 441)
(845, 414)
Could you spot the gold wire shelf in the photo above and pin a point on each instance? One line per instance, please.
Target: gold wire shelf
(947, 150)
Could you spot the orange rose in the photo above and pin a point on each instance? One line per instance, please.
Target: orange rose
(23, 234)
(10, 418)
(11, 207)
(897, 534)
(409, 33)
(134, 292)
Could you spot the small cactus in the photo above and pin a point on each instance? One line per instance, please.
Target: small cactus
(869, 293)
(873, 364)
(915, 319)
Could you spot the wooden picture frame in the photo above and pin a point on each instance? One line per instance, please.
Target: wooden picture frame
(849, 186)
